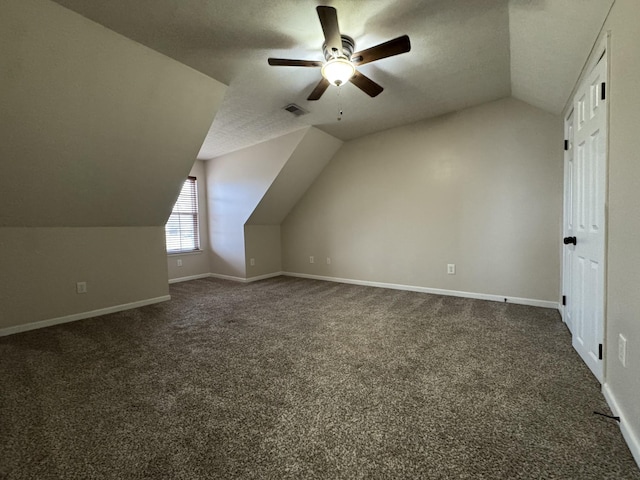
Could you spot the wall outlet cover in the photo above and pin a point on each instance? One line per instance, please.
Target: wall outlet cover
(622, 350)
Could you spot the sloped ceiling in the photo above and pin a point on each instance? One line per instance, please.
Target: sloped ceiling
(550, 42)
(314, 151)
(97, 130)
(464, 53)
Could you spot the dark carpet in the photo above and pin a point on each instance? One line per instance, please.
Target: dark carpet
(300, 379)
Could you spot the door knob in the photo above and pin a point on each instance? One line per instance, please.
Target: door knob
(569, 240)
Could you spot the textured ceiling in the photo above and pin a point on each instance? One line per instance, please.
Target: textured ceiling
(550, 42)
(464, 52)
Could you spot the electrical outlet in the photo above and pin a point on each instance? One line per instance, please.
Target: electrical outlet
(328, 260)
(451, 268)
(622, 350)
(252, 262)
(179, 262)
(311, 259)
(81, 287)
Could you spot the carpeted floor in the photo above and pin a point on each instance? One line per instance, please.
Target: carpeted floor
(300, 379)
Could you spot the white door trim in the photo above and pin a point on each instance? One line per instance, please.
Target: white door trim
(566, 212)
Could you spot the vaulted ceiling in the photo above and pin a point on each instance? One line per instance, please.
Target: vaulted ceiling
(464, 53)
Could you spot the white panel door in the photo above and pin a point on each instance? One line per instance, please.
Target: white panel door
(585, 239)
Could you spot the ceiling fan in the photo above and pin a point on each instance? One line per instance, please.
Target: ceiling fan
(341, 62)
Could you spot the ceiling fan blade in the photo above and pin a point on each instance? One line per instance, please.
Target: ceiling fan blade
(387, 49)
(284, 62)
(329, 20)
(319, 90)
(365, 84)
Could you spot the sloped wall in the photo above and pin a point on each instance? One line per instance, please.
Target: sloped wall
(97, 131)
(235, 184)
(263, 241)
(312, 154)
(251, 190)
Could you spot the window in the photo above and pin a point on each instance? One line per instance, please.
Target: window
(181, 230)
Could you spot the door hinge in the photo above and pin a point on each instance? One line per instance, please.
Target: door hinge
(564, 299)
(566, 145)
(599, 351)
(603, 91)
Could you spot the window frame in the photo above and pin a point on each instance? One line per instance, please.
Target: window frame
(191, 228)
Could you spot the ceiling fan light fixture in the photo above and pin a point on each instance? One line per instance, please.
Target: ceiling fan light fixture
(341, 61)
(338, 71)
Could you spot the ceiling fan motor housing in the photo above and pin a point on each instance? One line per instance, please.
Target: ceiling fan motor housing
(348, 46)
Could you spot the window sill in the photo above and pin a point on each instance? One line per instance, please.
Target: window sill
(179, 254)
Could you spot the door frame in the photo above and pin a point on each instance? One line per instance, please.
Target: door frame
(566, 210)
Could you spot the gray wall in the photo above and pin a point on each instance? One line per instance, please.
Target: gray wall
(622, 384)
(263, 244)
(252, 190)
(97, 131)
(235, 184)
(481, 188)
(40, 268)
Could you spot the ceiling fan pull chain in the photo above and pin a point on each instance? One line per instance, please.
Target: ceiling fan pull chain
(339, 103)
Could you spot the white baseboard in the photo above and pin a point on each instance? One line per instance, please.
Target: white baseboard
(245, 280)
(436, 291)
(190, 277)
(632, 438)
(228, 277)
(264, 277)
(81, 316)
(394, 286)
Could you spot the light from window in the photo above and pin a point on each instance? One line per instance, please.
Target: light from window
(181, 230)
